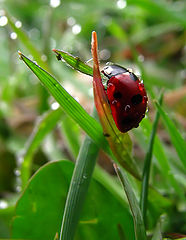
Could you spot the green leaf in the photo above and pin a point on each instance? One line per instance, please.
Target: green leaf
(157, 232)
(74, 62)
(147, 165)
(79, 184)
(69, 104)
(161, 157)
(39, 210)
(139, 226)
(42, 128)
(175, 135)
(71, 132)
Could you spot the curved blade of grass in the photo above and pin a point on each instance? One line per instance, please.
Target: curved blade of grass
(78, 187)
(42, 128)
(69, 104)
(134, 206)
(147, 165)
(176, 138)
(162, 159)
(120, 143)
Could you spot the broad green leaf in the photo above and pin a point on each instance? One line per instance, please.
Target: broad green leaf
(69, 104)
(139, 226)
(176, 138)
(156, 202)
(39, 210)
(42, 128)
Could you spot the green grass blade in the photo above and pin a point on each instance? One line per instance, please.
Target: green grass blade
(74, 62)
(134, 206)
(157, 232)
(159, 153)
(71, 132)
(78, 188)
(176, 138)
(43, 127)
(147, 165)
(69, 104)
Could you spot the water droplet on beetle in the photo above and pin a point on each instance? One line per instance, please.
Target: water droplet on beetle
(114, 102)
(127, 108)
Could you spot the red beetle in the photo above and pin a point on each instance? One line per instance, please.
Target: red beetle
(127, 97)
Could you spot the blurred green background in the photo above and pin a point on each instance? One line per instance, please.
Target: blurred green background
(155, 29)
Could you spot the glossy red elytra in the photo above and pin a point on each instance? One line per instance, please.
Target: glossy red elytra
(127, 97)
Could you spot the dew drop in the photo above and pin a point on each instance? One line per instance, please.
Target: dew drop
(17, 172)
(114, 102)
(3, 204)
(127, 108)
(3, 21)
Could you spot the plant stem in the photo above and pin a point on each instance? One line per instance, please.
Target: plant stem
(147, 164)
(78, 187)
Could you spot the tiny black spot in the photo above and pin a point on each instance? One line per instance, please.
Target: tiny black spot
(136, 99)
(106, 134)
(117, 95)
(58, 57)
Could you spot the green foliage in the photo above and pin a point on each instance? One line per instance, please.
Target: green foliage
(52, 182)
(148, 36)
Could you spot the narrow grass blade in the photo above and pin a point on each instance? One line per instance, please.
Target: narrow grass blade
(42, 128)
(69, 104)
(147, 165)
(78, 188)
(176, 138)
(120, 143)
(74, 62)
(162, 158)
(71, 132)
(134, 206)
(157, 232)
